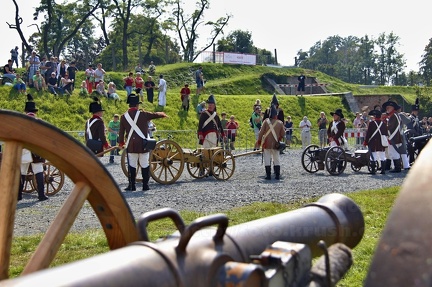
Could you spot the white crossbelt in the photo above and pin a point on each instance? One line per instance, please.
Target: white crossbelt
(134, 127)
(211, 118)
(88, 128)
(396, 130)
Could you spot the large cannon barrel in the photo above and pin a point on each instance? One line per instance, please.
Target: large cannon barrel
(195, 255)
(422, 138)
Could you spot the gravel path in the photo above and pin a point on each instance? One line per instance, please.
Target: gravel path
(208, 195)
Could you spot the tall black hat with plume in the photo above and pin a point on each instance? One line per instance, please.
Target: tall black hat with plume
(416, 106)
(95, 106)
(30, 106)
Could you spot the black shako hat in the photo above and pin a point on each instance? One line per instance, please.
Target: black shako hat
(30, 106)
(274, 101)
(211, 100)
(273, 111)
(338, 112)
(95, 106)
(375, 113)
(416, 106)
(133, 100)
(391, 104)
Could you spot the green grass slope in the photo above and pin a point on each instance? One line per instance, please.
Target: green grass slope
(236, 88)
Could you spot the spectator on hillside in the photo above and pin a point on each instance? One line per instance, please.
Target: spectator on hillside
(50, 67)
(61, 71)
(34, 66)
(100, 88)
(139, 69)
(139, 86)
(19, 84)
(129, 81)
(52, 84)
(7, 69)
(39, 81)
(90, 78)
(185, 97)
(301, 84)
(71, 71)
(42, 67)
(99, 74)
(112, 92)
(162, 87)
(14, 56)
(149, 85)
(152, 69)
(199, 79)
(356, 123)
(257, 104)
(83, 89)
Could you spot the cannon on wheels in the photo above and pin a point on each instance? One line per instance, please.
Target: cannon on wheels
(167, 162)
(333, 159)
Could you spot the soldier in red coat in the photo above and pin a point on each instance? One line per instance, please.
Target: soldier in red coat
(336, 129)
(209, 127)
(376, 128)
(95, 128)
(394, 135)
(133, 130)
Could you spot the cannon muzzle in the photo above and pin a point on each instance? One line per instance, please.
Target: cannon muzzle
(195, 255)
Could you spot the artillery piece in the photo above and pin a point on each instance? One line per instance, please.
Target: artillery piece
(333, 159)
(257, 253)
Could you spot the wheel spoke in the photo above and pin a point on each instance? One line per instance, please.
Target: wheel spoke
(9, 184)
(58, 230)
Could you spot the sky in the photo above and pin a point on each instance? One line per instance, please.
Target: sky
(289, 26)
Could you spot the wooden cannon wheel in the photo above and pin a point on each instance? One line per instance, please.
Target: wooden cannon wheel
(53, 180)
(81, 166)
(335, 160)
(166, 162)
(310, 158)
(222, 164)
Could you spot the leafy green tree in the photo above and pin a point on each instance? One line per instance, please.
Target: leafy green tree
(61, 23)
(237, 41)
(187, 28)
(426, 63)
(366, 58)
(390, 62)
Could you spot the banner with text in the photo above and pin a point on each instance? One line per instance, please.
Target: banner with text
(236, 58)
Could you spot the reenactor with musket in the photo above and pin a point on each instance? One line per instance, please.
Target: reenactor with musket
(414, 130)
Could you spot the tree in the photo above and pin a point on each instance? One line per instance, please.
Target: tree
(187, 28)
(18, 21)
(426, 63)
(62, 22)
(366, 58)
(390, 62)
(237, 41)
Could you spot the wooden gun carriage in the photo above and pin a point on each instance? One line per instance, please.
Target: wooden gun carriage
(168, 159)
(333, 159)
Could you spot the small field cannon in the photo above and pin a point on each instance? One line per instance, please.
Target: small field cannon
(333, 159)
(168, 159)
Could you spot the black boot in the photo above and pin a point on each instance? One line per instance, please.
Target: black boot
(387, 164)
(383, 164)
(132, 176)
(40, 186)
(146, 177)
(397, 164)
(268, 172)
(373, 167)
(277, 172)
(21, 186)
